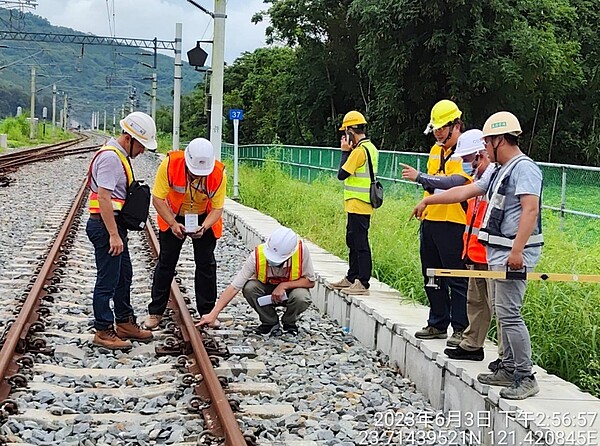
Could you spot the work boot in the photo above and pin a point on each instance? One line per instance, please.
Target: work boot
(268, 330)
(152, 321)
(430, 332)
(131, 330)
(340, 284)
(501, 377)
(521, 388)
(465, 355)
(109, 339)
(356, 288)
(455, 339)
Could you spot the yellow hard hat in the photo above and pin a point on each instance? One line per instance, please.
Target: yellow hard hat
(501, 123)
(353, 118)
(442, 113)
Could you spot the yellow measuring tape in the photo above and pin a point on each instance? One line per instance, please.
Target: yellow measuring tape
(432, 273)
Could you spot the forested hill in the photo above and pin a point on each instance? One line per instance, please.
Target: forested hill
(96, 78)
(394, 59)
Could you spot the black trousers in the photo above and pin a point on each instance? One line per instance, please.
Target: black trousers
(205, 282)
(441, 247)
(357, 239)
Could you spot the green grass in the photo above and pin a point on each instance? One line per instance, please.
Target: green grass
(563, 318)
(18, 129)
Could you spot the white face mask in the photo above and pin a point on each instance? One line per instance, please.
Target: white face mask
(468, 168)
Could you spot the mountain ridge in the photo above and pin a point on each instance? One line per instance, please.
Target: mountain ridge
(94, 77)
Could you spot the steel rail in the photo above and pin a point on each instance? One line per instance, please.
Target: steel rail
(16, 159)
(19, 329)
(225, 416)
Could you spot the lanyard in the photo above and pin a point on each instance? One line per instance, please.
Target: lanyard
(191, 187)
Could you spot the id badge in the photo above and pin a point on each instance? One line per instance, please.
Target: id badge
(191, 223)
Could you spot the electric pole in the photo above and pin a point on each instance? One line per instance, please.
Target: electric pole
(154, 96)
(53, 109)
(65, 116)
(177, 86)
(32, 122)
(216, 85)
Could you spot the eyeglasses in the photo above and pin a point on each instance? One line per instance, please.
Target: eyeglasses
(469, 158)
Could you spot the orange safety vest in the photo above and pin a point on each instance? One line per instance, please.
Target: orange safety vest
(117, 203)
(295, 268)
(473, 250)
(178, 182)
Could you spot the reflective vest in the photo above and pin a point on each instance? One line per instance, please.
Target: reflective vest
(117, 203)
(178, 183)
(293, 265)
(491, 230)
(473, 251)
(358, 184)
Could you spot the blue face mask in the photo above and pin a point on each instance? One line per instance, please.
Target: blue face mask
(468, 168)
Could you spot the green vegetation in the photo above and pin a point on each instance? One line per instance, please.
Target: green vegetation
(394, 59)
(18, 130)
(563, 319)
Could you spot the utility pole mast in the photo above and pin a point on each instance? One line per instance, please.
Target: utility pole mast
(53, 109)
(154, 96)
(218, 67)
(104, 125)
(177, 86)
(32, 122)
(65, 117)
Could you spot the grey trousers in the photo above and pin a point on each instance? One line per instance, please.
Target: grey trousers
(480, 308)
(516, 342)
(298, 301)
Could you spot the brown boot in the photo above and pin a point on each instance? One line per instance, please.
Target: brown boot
(131, 330)
(109, 339)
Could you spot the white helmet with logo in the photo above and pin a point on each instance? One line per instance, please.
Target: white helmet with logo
(141, 127)
(281, 245)
(469, 142)
(200, 157)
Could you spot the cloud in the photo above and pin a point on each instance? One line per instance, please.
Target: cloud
(147, 19)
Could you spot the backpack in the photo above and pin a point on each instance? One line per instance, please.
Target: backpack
(134, 213)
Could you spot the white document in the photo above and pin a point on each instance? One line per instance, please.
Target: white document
(268, 300)
(191, 223)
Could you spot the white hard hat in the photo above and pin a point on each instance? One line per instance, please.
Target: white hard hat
(200, 157)
(469, 142)
(281, 245)
(141, 127)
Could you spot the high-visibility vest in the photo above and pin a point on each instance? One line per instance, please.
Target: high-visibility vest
(117, 203)
(491, 229)
(473, 251)
(178, 182)
(294, 266)
(358, 184)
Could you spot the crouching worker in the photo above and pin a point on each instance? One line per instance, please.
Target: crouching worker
(281, 268)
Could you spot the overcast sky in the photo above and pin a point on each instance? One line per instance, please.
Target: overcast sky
(146, 19)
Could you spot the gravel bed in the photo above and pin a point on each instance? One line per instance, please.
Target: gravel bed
(339, 390)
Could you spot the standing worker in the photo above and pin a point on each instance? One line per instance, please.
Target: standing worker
(354, 172)
(480, 303)
(442, 226)
(109, 177)
(189, 195)
(282, 268)
(512, 234)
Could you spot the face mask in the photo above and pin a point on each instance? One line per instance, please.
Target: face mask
(275, 265)
(468, 168)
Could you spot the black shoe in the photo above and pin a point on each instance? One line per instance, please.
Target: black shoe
(494, 365)
(461, 353)
(266, 330)
(290, 329)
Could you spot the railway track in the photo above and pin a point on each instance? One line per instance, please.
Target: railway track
(46, 351)
(21, 157)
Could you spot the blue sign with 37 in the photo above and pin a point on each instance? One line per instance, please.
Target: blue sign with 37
(236, 114)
